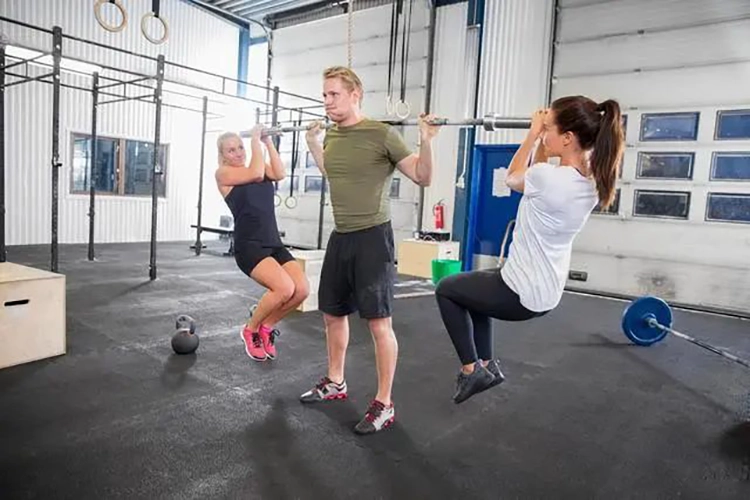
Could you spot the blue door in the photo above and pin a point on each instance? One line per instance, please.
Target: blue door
(491, 204)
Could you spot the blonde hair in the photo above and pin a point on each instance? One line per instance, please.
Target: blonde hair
(349, 77)
(220, 143)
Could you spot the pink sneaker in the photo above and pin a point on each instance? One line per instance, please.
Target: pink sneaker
(268, 338)
(253, 344)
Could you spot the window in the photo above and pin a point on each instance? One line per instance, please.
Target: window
(665, 165)
(122, 166)
(662, 204)
(625, 126)
(310, 161)
(313, 183)
(728, 207)
(734, 124)
(669, 126)
(139, 171)
(104, 166)
(395, 187)
(282, 186)
(613, 209)
(731, 167)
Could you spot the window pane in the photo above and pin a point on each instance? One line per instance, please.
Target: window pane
(669, 127)
(395, 187)
(662, 204)
(613, 209)
(138, 157)
(665, 165)
(282, 187)
(313, 184)
(731, 166)
(104, 167)
(733, 124)
(310, 161)
(728, 207)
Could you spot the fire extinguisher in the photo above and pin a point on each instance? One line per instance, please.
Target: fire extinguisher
(438, 210)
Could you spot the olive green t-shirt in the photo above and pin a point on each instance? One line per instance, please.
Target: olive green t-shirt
(359, 161)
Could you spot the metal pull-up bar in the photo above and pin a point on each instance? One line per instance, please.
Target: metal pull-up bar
(490, 122)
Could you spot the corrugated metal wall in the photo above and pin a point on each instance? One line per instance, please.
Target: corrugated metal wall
(454, 46)
(301, 53)
(196, 38)
(663, 56)
(515, 61)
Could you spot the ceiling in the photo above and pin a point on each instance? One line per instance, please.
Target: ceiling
(255, 10)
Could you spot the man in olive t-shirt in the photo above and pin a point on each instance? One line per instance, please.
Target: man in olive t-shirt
(359, 157)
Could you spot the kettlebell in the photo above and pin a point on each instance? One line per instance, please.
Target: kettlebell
(185, 341)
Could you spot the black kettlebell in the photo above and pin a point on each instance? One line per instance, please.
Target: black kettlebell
(185, 341)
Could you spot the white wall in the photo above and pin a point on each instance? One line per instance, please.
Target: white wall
(302, 52)
(515, 62)
(451, 96)
(196, 38)
(656, 56)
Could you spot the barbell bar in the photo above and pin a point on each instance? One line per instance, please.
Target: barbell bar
(648, 320)
(490, 123)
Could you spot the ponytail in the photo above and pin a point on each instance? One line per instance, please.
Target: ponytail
(608, 149)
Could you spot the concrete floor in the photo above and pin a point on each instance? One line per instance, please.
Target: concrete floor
(583, 413)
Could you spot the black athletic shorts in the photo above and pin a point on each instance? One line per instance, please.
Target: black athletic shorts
(248, 254)
(358, 273)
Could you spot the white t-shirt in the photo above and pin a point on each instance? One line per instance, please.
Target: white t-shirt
(556, 203)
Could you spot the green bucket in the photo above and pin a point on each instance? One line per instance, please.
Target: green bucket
(442, 268)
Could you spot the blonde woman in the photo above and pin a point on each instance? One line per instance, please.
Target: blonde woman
(248, 190)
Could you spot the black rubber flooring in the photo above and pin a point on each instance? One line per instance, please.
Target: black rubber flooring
(582, 415)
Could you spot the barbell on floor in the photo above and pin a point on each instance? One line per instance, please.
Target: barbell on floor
(648, 320)
(490, 123)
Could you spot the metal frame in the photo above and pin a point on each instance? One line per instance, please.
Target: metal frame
(639, 165)
(155, 96)
(711, 194)
(715, 156)
(688, 194)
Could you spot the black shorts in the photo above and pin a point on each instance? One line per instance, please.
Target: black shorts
(248, 254)
(359, 273)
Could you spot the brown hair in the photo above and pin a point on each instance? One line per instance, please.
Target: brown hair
(349, 77)
(598, 127)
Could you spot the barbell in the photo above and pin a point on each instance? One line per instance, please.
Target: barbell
(489, 122)
(648, 320)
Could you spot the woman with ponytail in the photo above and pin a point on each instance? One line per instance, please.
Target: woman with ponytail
(557, 200)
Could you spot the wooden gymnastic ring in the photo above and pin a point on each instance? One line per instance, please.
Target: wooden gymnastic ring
(155, 41)
(98, 15)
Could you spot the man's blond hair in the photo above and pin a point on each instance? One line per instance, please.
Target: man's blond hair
(349, 77)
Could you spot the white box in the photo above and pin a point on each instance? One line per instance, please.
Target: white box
(311, 262)
(32, 314)
(415, 256)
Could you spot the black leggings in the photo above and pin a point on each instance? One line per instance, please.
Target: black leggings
(467, 301)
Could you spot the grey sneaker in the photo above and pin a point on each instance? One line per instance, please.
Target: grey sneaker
(325, 390)
(377, 418)
(468, 385)
(494, 368)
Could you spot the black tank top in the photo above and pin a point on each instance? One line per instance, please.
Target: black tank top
(254, 213)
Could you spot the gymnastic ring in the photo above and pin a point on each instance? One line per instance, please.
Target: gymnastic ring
(98, 15)
(290, 202)
(276, 200)
(155, 41)
(388, 105)
(403, 105)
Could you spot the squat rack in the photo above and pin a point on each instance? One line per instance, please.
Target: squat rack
(154, 96)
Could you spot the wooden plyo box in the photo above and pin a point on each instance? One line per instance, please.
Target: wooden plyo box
(415, 256)
(32, 314)
(312, 263)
